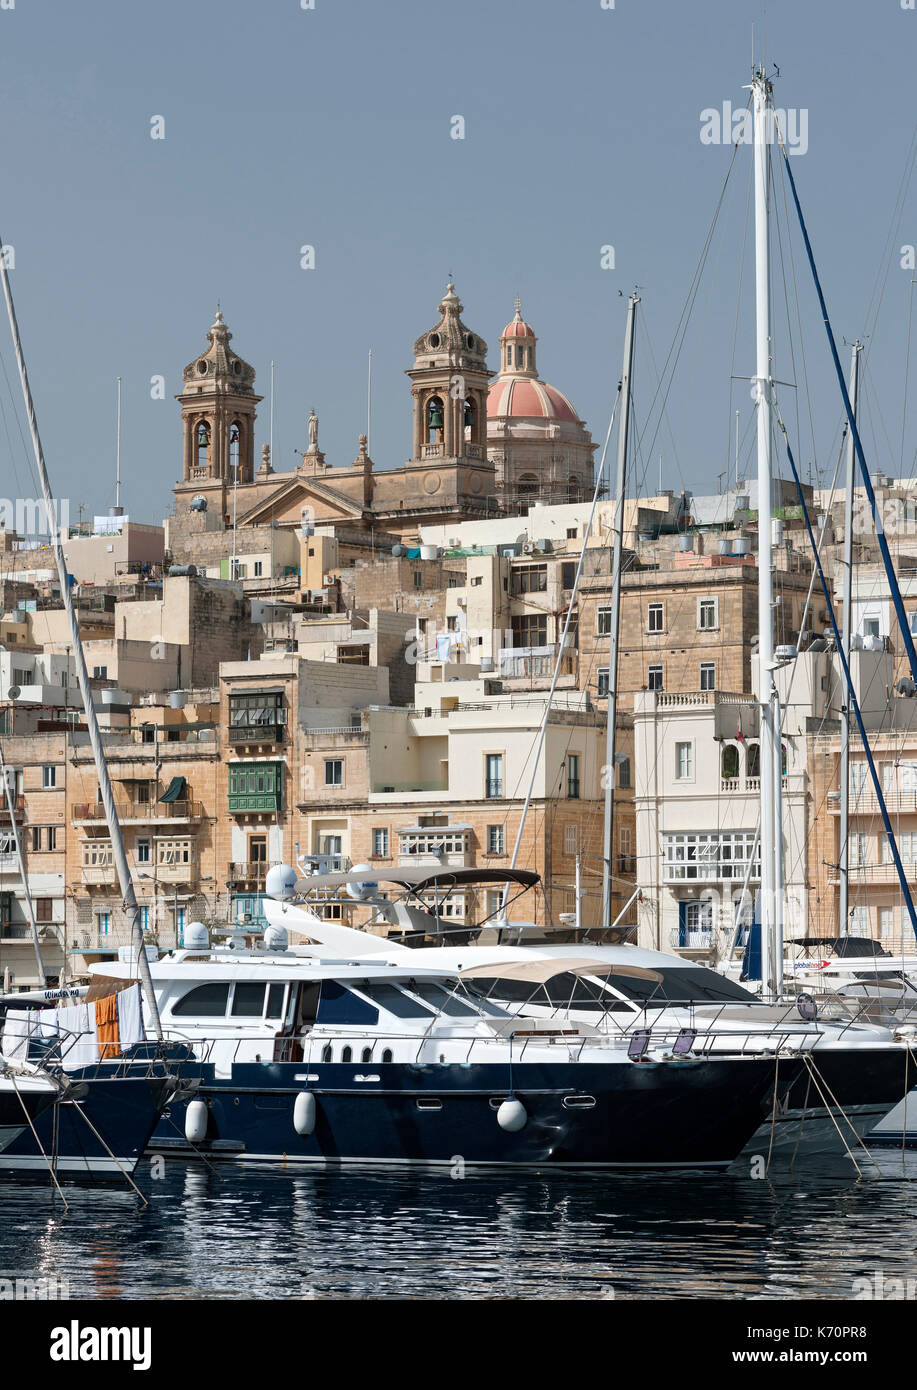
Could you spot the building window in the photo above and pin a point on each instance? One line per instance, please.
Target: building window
(654, 678)
(707, 614)
(858, 778)
(573, 776)
(144, 919)
(859, 922)
(493, 779)
(859, 849)
(655, 617)
(708, 675)
(568, 574)
(571, 839)
(170, 852)
(36, 838)
(103, 923)
(334, 772)
(530, 630)
(530, 579)
(602, 683)
(44, 910)
(258, 569)
(684, 762)
(143, 851)
(180, 925)
(710, 856)
(624, 773)
(48, 777)
(256, 718)
(886, 921)
(100, 673)
(495, 840)
(603, 620)
(418, 579)
(380, 843)
(871, 627)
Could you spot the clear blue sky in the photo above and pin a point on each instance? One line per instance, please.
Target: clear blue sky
(332, 127)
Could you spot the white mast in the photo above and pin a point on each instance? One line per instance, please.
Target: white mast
(771, 948)
(118, 456)
(844, 858)
(623, 431)
(92, 723)
(369, 397)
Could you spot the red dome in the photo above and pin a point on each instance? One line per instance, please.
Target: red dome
(524, 398)
(518, 329)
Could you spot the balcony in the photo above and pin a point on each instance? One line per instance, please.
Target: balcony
(18, 808)
(98, 875)
(534, 662)
(177, 871)
(137, 812)
(866, 803)
(247, 871)
(257, 733)
(15, 931)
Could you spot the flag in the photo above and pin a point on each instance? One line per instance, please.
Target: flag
(740, 737)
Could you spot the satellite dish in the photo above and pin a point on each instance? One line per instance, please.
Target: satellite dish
(14, 692)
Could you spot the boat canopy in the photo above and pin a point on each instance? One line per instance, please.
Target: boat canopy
(418, 879)
(538, 971)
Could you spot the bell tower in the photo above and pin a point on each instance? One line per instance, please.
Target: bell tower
(450, 381)
(218, 414)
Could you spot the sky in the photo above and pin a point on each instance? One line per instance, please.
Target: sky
(332, 127)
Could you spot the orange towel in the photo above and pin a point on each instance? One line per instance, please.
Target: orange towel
(107, 1026)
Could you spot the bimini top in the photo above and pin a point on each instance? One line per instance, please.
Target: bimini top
(418, 878)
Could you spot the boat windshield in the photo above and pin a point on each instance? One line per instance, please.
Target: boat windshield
(677, 986)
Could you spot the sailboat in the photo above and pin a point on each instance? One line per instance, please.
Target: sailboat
(104, 1110)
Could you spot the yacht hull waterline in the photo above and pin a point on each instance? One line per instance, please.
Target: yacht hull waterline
(697, 1113)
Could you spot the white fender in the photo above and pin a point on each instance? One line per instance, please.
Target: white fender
(196, 1117)
(512, 1116)
(304, 1113)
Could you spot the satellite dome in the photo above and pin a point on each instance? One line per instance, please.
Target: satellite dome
(361, 891)
(197, 937)
(280, 882)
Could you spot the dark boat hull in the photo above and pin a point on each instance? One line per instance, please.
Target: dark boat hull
(697, 1113)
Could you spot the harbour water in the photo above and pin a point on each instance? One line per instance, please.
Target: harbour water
(234, 1233)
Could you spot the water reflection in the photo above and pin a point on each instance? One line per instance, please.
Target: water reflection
(244, 1232)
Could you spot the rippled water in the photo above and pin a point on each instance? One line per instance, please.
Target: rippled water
(358, 1233)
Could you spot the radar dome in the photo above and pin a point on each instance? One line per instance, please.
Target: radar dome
(197, 937)
(280, 882)
(361, 891)
(275, 939)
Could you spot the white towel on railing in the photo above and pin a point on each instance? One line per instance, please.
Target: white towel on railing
(16, 1029)
(130, 1017)
(79, 1041)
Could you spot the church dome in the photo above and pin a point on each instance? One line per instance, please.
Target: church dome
(525, 398)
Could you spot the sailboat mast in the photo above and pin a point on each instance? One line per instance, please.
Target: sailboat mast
(770, 966)
(844, 856)
(92, 723)
(621, 479)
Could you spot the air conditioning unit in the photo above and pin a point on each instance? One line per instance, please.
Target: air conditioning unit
(528, 547)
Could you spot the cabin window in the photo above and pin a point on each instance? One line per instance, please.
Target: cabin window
(346, 1054)
(274, 1001)
(394, 1001)
(326, 1053)
(366, 1055)
(386, 1054)
(248, 1001)
(207, 1001)
(339, 1006)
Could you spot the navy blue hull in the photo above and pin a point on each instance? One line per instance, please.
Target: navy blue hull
(634, 1114)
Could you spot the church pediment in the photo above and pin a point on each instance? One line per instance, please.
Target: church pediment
(285, 505)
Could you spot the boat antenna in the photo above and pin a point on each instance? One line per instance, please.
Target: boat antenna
(82, 672)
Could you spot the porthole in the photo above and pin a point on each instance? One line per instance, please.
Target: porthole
(346, 1054)
(202, 367)
(387, 1054)
(366, 1055)
(579, 1102)
(434, 340)
(425, 1103)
